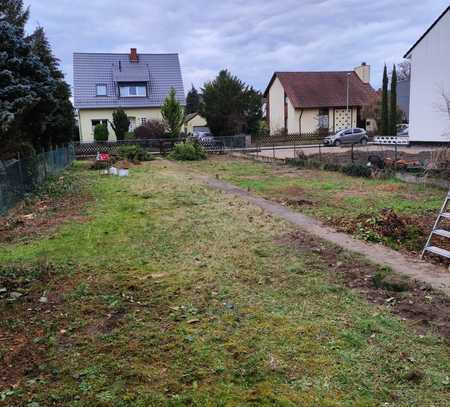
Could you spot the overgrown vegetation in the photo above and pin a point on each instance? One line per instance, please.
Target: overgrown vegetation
(120, 123)
(230, 106)
(35, 108)
(188, 150)
(357, 170)
(101, 132)
(352, 169)
(151, 303)
(151, 129)
(134, 153)
(383, 210)
(173, 114)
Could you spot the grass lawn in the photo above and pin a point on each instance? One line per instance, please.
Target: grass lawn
(367, 208)
(170, 294)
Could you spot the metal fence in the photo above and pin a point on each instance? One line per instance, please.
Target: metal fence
(21, 176)
(159, 146)
(291, 139)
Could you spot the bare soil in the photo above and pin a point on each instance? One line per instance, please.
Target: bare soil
(42, 216)
(419, 303)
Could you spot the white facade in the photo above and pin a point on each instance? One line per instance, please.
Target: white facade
(429, 119)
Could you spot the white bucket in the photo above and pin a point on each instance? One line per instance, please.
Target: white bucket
(123, 172)
(113, 171)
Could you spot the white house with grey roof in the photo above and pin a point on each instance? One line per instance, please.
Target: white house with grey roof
(138, 83)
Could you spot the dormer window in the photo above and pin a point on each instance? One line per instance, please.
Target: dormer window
(131, 90)
(101, 89)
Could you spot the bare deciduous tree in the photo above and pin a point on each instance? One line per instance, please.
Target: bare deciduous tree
(404, 70)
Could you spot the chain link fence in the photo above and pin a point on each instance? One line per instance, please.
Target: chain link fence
(21, 176)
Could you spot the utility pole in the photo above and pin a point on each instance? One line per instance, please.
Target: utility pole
(348, 94)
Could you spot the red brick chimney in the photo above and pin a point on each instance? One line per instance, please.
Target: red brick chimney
(133, 56)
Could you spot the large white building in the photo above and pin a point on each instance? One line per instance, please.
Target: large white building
(429, 116)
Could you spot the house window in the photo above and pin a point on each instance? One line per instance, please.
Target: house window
(132, 90)
(101, 90)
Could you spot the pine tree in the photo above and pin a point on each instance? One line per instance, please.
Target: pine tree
(120, 123)
(192, 101)
(384, 105)
(13, 12)
(41, 48)
(26, 91)
(61, 124)
(393, 104)
(230, 106)
(173, 114)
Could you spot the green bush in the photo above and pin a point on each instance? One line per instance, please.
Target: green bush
(357, 170)
(134, 153)
(129, 135)
(101, 132)
(331, 167)
(188, 151)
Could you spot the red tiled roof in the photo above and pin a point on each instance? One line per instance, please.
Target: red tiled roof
(323, 89)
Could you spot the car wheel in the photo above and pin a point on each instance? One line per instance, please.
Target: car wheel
(337, 143)
(363, 141)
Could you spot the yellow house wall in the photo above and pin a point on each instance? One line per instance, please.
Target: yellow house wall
(194, 122)
(87, 115)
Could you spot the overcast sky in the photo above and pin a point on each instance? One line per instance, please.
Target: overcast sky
(251, 38)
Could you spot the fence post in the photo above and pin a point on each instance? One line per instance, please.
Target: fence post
(395, 155)
(294, 148)
(273, 147)
(353, 156)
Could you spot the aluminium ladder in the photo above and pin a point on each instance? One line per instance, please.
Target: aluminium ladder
(439, 231)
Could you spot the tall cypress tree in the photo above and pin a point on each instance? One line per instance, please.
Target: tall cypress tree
(384, 105)
(393, 104)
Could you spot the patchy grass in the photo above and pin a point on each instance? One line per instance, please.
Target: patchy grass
(360, 206)
(173, 294)
(60, 199)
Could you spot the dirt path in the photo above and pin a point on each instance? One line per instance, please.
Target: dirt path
(437, 277)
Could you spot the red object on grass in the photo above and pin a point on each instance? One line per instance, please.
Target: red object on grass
(103, 157)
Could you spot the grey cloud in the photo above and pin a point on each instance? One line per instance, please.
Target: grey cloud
(251, 38)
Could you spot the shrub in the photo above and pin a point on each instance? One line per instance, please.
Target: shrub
(331, 167)
(134, 153)
(188, 151)
(129, 135)
(357, 170)
(152, 129)
(120, 123)
(173, 114)
(101, 132)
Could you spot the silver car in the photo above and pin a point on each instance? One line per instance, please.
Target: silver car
(347, 136)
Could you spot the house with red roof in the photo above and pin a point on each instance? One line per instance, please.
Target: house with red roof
(323, 102)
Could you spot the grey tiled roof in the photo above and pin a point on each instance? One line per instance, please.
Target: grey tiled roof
(162, 71)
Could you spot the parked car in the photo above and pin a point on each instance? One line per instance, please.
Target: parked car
(347, 136)
(402, 130)
(208, 141)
